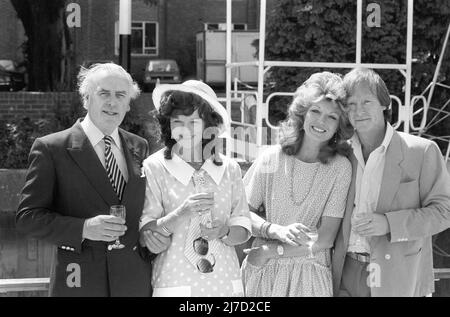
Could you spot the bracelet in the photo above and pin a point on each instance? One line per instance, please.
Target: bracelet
(264, 229)
(166, 231)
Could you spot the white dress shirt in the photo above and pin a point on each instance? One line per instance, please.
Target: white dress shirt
(368, 183)
(95, 136)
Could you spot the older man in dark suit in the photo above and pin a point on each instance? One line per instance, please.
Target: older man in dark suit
(74, 177)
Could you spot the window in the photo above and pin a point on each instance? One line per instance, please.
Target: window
(240, 26)
(144, 38)
(223, 26)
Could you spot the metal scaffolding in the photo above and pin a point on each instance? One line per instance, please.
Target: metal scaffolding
(405, 109)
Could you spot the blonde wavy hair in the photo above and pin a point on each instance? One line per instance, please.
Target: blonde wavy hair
(319, 86)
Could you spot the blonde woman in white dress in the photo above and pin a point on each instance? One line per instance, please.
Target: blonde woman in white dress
(302, 183)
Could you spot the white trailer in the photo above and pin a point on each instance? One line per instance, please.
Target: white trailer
(211, 56)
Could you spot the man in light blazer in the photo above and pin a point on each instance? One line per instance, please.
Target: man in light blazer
(74, 177)
(399, 198)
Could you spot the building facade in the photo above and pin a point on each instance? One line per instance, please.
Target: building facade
(165, 30)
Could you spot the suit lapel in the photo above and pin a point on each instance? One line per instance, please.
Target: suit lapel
(134, 171)
(87, 160)
(346, 222)
(391, 175)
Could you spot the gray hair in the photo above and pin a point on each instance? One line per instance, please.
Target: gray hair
(86, 78)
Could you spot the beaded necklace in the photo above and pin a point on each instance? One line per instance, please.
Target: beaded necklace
(291, 184)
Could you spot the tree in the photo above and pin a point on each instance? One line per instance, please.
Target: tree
(48, 51)
(48, 47)
(324, 31)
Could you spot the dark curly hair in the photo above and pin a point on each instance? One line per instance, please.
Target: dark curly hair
(174, 103)
(328, 86)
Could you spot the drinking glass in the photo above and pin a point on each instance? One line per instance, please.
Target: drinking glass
(356, 216)
(118, 211)
(313, 235)
(202, 186)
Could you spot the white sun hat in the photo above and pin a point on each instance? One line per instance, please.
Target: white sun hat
(204, 91)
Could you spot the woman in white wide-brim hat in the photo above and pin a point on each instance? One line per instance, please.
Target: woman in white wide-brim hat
(195, 196)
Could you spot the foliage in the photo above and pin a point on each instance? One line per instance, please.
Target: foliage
(325, 31)
(145, 126)
(17, 137)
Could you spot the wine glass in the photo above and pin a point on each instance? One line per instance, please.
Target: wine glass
(202, 186)
(357, 216)
(313, 235)
(118, 211)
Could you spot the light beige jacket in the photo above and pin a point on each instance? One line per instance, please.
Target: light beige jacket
(415, 197)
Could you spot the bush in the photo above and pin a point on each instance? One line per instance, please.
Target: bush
(17, 137)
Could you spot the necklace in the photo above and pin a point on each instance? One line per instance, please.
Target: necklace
(291, 184)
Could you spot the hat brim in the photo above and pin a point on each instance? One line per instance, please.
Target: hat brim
(215, 104)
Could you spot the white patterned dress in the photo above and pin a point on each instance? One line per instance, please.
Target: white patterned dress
(169, 183)
(318, 190)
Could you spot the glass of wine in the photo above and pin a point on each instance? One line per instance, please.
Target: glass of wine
(313, 235)
(118, 211)
(202, 186)
(357, 216)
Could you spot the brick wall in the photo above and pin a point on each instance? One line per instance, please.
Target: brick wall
(35, 105)
(181, 29)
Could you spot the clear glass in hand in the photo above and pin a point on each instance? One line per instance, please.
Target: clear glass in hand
(202, 186)
(313, 235)
(118, 211)
(356, 216)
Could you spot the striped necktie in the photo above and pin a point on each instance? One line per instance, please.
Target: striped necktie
(112, 169)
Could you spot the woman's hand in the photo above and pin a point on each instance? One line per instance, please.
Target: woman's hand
(291, 234)
(258, 256)
(217, 230)
(195, 204)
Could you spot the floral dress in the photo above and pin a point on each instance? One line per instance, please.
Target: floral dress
(169, 183)
(295, 191)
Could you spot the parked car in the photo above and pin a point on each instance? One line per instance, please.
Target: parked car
(88, 63)
(164, 70)
(11, 79)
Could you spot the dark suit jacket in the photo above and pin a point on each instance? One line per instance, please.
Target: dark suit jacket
(66, 184)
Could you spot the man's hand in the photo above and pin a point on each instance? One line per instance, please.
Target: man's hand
(371, 224)
(104, 228)
(154, 241)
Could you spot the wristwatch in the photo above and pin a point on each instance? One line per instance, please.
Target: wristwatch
(280, 250)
